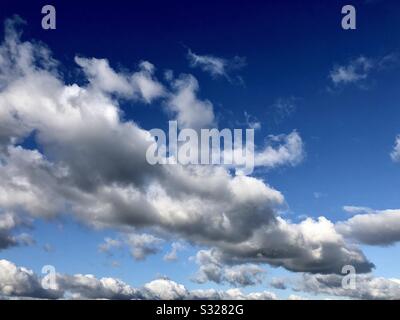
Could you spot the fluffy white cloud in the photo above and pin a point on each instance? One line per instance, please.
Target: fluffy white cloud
(7, 223)
(139, 85)
(109, 244)
(374, 228)
(282, 149)
(21, 282)
(81, 286)
(190, 111)
(166, 290)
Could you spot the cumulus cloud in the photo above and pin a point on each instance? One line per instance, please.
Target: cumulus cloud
(90, 162)
(309, 246)
(356, 209)
(81, 286)
(19, 282)
(211, 268)
(216, 66)
(109, 244)
(357, 69)
(281, 149)
(278, 283)
(190, 111)
(366, 286)
(8, 222)
(143, 245)
(374, 228)
(138, 85)
(172, 255)
(139, 245)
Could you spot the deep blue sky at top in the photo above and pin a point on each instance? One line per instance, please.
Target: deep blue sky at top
(290, 47)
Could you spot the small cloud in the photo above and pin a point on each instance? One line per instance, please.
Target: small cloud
(281, 150)
(48, 247)
(173, 254)
(115, 264)
(109, 244)
(143, 245)
(140, 245)
(355, 71)
(356, 209)
(251, 121)
(217, 67)
(25, 239)
(283, 108)
(278, 283)
(358, 70)
(318, 195)
(395, 154)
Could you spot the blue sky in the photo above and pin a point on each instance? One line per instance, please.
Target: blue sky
(292, 51)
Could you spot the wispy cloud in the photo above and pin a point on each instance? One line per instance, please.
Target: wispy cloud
(283, 108)
(217, 67)
(358, 70)
(395, 154)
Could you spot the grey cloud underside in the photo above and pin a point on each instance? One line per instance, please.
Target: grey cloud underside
(366, 287)
(373, 228)
(91, 163)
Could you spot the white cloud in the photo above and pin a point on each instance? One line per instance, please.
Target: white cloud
(356, 209)
(139, 245)
(395, 154)
(358, 69)
(373, 228)
(215, 66)
(189, 110)
(143, 245)
(166, 290)
(19, 282)
(211, 268)
(109, 244)
(173, 254)
(281, 150)
(138, 85)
